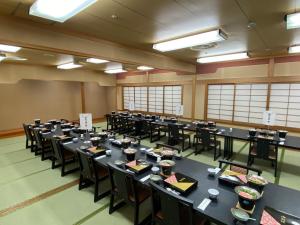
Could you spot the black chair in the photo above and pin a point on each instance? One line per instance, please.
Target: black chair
(110, 125)
(263, 148)
(239, 168)
(176, 135)
(90, 173)
(43, 147)
(30, 142)
(208, 140)
(126, 187)
(157, 132)
(62, 157)
(171, 209)
(123, 125)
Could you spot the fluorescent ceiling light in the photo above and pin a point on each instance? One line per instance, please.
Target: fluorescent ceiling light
(294, 49)
(9, 48)
(68, 66)
(96, 61)
(293, 21)
(220, 58)
(190, 41)
(59, 10)
(145, 68)
(112, 71)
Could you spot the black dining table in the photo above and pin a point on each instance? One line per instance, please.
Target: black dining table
(231, 134)
(275, 196)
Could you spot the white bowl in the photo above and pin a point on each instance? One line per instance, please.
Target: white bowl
(155, 170)
(213, 193)
(108, 152)
(211, 171)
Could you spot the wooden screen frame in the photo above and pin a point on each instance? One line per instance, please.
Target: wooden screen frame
(269, 83)
(152, 85)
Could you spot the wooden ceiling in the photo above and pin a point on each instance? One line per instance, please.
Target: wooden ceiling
(140, 23)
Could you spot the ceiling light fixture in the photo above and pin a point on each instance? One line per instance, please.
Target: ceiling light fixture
(113, 71)
(59, 10)
(9, 48)
(96, 61)
(292, 21)
(68, 66)
(190, 41)
(294, 49)
(145, 68)
(220, 58)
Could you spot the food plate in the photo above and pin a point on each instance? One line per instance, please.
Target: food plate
(232, 178)
(181, 183)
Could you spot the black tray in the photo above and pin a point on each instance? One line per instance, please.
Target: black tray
(139, 171)
(181, 178)
(230, 183)
(282, 217)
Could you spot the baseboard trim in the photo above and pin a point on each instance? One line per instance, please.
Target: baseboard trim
(19, 131)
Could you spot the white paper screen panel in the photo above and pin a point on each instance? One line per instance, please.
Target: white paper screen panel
(172, 98)
(140, 99)
(128, 96)
(155, 99)
(220, 102)
(250, 102)
(285, 102)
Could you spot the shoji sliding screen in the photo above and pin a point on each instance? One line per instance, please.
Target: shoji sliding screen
(128, 96)
(250, 102)
(172, 98)
(155, 100)
(140, 99)
(220, 102)
(285, 102)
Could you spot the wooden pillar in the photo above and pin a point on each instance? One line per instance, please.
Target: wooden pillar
(82, 93)
(194, 86)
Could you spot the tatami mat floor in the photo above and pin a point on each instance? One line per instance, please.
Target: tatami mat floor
(32, 193)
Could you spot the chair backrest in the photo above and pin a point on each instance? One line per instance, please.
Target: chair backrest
(145, 126)
(206, 136)
(175, 130)
(38, 137)
(109, 119)
(123, 182)
(263, 147)
(173, 209)
(86, 164)
(57, 151)
(27, 131)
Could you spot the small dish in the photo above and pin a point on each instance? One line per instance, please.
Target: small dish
(155, 170)
(75, 140)
(211, 171)
(213, 193)
(108, 152)
(240, 215)
(155, 178)
(119, 162)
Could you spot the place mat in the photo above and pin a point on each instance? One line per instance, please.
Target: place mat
(180, 182)
(138, 166)
(96, 150)
(271, 216)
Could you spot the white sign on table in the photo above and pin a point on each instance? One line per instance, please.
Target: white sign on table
(131, 106)
(269, 118)
(86, 121)
(179, 110)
